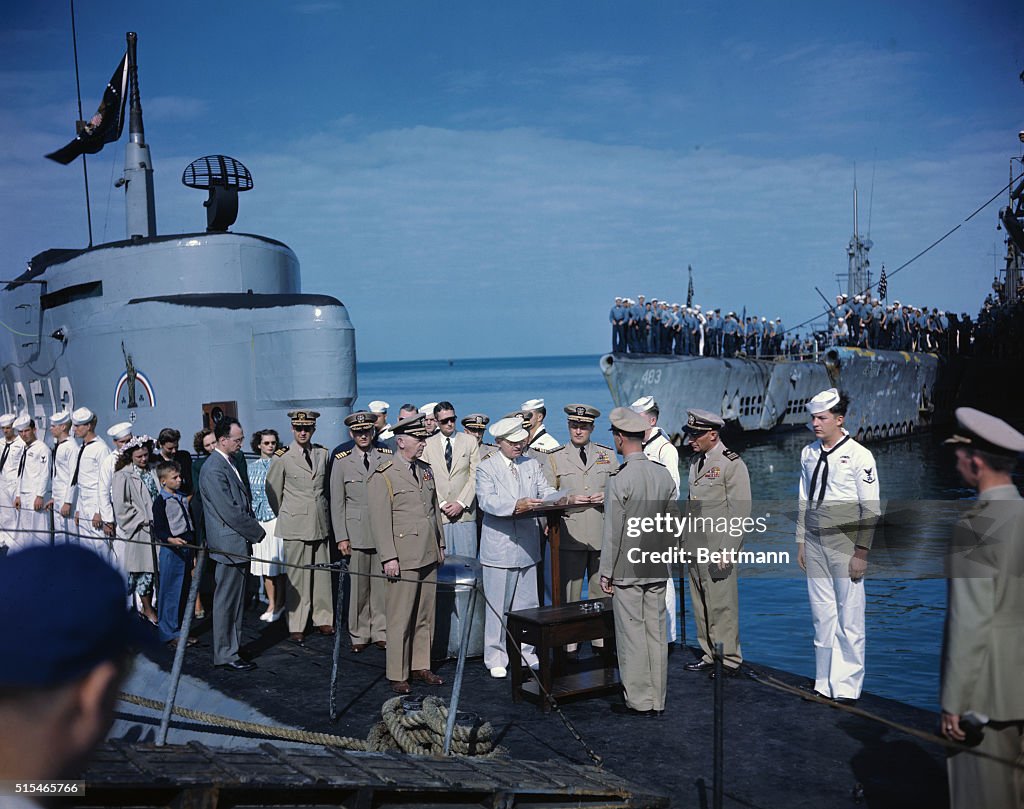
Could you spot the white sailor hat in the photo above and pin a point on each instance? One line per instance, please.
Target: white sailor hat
(985, 432)
(825, 400)
(63, 417)
(696, 306)
(22, 422)
(82, 415)
(7, 419)
(122, 429)
(643, 404)
(377, 406)
(428, 409)
(509, 429)
(532, 404)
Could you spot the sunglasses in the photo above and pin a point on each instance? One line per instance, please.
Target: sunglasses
(446, 421)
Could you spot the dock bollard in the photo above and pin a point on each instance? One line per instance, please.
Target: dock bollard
(719, 732)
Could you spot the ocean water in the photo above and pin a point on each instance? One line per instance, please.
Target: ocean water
(905, 613)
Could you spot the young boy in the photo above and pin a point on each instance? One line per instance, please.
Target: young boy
(172, 531)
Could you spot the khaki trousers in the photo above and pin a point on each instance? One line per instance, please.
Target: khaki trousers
(308, 589)
(975, 781)
(366, 623)
(642, 644)
(409, 610)
(716, 612)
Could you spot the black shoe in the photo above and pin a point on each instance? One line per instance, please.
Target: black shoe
(700, 665)
(727, 671)
(844, 700)
(810, 693)
(238, 665)
(624, 710)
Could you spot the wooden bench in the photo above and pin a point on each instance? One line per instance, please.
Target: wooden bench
(549, 629)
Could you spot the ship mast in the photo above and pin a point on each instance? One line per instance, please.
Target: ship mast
(139, 200)
(858, 273)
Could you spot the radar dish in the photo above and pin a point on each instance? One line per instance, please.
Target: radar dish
(217, 171)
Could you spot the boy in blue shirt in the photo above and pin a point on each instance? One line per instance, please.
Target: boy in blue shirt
(173, 532)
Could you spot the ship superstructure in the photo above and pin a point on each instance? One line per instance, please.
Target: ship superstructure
(175, 330)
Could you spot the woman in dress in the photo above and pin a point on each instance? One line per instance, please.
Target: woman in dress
(268, 555)
(133, 489)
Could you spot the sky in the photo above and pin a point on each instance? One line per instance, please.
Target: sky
(477, 179)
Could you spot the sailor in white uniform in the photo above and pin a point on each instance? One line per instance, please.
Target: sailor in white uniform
(533, 414)
(33, 487)
(65, 452)
(380, 408)
(839, 508)
(84, 488)
(119, 434)
(10, 455)
(658, 448)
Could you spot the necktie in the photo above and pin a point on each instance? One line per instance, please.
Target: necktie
(53, 456)
(366, 461)
(3, 458)
(412, 468)
(700, 463)
(822, 467)
(514, 470)
(309, 461)
(583, 455)
(21, 462)
(448, 453)
(78, 463)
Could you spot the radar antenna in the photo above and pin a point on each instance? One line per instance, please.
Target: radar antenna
(224, 177)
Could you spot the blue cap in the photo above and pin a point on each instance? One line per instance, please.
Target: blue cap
(63, 611)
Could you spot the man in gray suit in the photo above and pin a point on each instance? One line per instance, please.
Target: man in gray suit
(639, 489)
(508, 488)
(982, 694)
(231, 531)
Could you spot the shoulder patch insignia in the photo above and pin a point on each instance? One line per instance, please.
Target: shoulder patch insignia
(343, 454)
(281, 452)
(383, 465)
(545, 451)
(385, 450)
(603, 446)
(732, 456)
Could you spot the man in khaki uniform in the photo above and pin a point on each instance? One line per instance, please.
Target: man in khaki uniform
(297, 492)
(353, 464)
(981, 661)
(405, 523)
(580, 469)
(719, 486)
(453, 458)
(639, 488)
(658, 447)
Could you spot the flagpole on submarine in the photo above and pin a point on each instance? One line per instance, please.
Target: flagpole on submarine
(81, 121)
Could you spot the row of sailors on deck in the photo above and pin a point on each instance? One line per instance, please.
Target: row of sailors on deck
(659, 327)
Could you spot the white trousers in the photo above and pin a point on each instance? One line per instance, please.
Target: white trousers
(671, 610)
(32, 528)
(506, 589)
(95, 540)
(837, 612)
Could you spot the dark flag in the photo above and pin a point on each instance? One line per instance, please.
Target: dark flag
(106, 125)
(883, 285)
(689, 290)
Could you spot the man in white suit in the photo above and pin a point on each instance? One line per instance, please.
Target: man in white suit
(508, 488)
(453, 457)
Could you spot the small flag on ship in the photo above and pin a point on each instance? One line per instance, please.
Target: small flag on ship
(689, 290)
(883, 285)
(106, 125)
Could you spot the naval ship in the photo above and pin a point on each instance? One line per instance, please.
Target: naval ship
(893, 393)
(174, 330)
